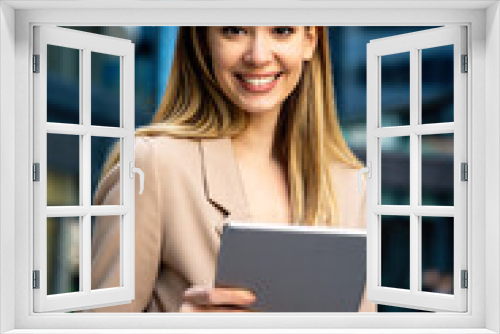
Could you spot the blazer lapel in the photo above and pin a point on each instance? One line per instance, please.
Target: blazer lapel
(223, 184)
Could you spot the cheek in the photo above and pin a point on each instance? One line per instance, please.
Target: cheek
(295, 67)
(288, 50)
(293, 50)
(223, 64)
(292, 56)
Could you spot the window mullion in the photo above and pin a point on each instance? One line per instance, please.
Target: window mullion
(415, 245)
(86, 254)
(434, 128)
(377, 172)
(82, 195)
(85, 165)
(85, 237)
(406, 210)
(419, 129)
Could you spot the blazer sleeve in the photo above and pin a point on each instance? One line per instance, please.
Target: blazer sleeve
(148, 232)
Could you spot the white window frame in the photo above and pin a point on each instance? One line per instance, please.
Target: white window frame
(483, 20)
(123, 50)
(413, 44)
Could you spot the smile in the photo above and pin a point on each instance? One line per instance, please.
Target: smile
(258, 83)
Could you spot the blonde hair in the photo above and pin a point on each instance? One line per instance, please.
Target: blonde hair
(308, 138)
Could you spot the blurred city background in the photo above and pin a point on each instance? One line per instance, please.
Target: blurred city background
(154, 48)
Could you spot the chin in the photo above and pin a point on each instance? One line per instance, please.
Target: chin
(259, 109)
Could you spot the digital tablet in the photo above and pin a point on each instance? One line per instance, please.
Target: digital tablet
(292, 268)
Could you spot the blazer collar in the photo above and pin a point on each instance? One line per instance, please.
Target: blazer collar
(223, 183)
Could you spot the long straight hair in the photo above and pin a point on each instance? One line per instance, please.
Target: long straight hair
(308, 138)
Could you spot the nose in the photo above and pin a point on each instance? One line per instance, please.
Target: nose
(259, 50)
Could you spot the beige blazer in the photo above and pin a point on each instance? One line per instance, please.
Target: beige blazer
(191, 188)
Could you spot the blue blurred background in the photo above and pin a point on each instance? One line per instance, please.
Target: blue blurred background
(154, 47)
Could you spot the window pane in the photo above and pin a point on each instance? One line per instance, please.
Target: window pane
(106, 266)
(63, 255)
(395, 168)
(395, 251)
(437, 254)
(105, 101)
(63, 85)
(395, 95)
(102, 147)
(437, 84)
(63, 169)
(437, 170)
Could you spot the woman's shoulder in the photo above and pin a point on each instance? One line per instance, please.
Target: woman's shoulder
(174, 145)
(160, 158)
(165, 150)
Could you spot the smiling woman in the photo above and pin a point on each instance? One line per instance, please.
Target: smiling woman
(247, 130)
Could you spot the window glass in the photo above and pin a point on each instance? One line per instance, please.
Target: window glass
(105, 100)
(395, 167)
(63, 255)
(395, 231)
(437, 170)
(437, 255)
(395, 94)
(102, 148)
(63, 85)
(106, 230)
(437, 84)
(63, 170)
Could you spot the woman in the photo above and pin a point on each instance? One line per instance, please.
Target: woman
(247, 130)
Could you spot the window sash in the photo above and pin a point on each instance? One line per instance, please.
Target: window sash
(413, 43)
(85, 43)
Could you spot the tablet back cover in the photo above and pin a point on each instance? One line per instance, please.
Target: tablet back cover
(293, 271)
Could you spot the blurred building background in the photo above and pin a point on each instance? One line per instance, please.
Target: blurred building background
(153, 56)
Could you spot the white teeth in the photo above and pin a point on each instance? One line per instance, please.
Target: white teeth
(258, 82)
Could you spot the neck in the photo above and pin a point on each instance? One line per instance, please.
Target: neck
(255, 144)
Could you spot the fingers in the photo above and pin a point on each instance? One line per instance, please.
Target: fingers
(217, 296)
(187, 307)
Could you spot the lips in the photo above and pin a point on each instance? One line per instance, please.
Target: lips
(258, 83)
(258, 79)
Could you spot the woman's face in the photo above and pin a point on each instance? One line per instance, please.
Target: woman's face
(258, 67)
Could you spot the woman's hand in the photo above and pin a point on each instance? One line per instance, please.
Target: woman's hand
(216, 299)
